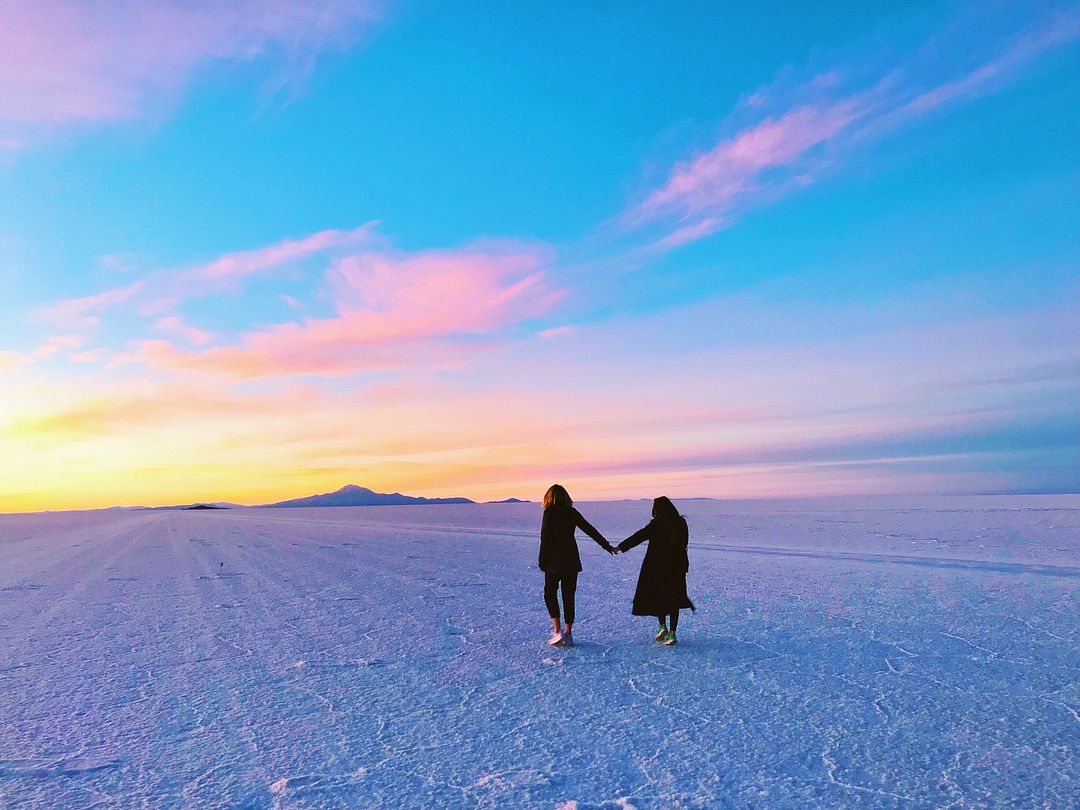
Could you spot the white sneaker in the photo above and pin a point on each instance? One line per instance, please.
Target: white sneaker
(567, 640)
(556, 639)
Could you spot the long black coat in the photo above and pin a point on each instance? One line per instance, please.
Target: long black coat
(558, 547)
(661, 586)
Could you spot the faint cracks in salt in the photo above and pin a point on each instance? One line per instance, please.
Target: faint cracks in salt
(659, 701)
(994, 654)
(948, 784)
(1039, 629)
(830, 768)
(878, 702)
(773, 653)
(1045, 696)
(235, 646)
(991, 653)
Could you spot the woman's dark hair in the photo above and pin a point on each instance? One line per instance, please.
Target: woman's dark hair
(664, 509)
(557, 494)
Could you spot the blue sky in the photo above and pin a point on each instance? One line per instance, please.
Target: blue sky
(737, 250)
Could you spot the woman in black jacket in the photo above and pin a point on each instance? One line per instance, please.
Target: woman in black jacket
(661, 587)
(559, 558)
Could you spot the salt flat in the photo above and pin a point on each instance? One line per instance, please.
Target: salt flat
(846, 653)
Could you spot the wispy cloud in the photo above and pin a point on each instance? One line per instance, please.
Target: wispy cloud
(798, 131)
(89, 356)
(229, 271)
(58, 343)
(83, 312)
(163, 290)
(685, 234)
(715, 180)
(1061, 29)
(393, 310)
(175, 325)
(64, 62)
(555, 331)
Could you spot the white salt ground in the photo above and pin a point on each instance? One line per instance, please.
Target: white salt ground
(846, 653)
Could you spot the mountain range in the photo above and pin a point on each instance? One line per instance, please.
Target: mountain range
(348, 495)
(353, 495)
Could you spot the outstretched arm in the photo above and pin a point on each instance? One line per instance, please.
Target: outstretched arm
(590, 530)
(636, 539)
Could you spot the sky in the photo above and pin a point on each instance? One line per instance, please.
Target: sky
(259, 249)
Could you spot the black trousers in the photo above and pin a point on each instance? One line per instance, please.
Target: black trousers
(551, 599)
(674, 620)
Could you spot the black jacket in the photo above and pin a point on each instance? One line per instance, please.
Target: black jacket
(558, 548)
(661, 586)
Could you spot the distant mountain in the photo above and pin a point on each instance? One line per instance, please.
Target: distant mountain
(352, 495)
(182, 506)
(510, 500)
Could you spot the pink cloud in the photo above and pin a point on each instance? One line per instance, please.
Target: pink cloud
(715, 180)
(248, 262)
(822, 117)
(232, 269)
(82, 312)
(91, 356)
(165, 289)
(556, 331)
(58, 343)
(291, 302)
(686, 234)
(392, 310)
(1060, 31)
(63, 62)
(175, 325)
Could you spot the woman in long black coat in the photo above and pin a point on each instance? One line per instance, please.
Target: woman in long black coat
(661, 587)
(560, 560)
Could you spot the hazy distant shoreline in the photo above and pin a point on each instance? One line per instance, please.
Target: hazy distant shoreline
(1005, 501)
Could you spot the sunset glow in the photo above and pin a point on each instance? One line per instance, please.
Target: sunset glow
(259, 250)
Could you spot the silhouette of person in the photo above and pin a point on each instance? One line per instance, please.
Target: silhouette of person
(560, 560)
(661, 586)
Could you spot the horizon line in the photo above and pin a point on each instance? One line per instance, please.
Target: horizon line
(470, 502)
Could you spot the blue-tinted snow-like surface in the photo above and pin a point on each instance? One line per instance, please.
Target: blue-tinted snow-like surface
(845, 654)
